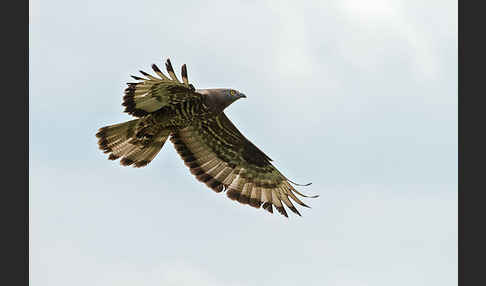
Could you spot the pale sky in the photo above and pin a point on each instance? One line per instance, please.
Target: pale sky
(357, 97)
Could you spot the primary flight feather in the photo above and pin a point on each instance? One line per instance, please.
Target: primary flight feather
(210, 145)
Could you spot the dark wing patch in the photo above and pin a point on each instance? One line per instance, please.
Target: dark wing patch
(222, 158)
(152, 93)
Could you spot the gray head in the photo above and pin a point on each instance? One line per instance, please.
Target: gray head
(220, 98)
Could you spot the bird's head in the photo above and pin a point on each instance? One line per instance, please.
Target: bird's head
(220, 98)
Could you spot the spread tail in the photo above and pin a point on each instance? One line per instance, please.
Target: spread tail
(126, 141)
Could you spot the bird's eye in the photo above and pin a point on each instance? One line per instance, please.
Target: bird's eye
(232, 92)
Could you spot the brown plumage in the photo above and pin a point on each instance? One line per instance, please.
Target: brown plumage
(213, 149)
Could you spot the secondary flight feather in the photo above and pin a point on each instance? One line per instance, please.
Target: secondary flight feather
(215, 151)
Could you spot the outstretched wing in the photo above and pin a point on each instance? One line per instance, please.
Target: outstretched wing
(222, 158)
(152, 93)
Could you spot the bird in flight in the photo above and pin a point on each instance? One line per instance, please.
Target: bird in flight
(216, 153)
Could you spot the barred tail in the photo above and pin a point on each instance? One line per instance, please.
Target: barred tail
(119, 141)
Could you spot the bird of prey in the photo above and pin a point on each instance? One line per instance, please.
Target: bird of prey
(216, 153)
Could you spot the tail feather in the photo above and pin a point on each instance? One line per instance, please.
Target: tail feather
(119, 141)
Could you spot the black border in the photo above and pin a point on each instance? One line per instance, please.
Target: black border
(471, 113)
(14, 212)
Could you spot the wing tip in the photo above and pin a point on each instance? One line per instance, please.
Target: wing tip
(144, 73)
(268, 207)
(156, 68)
(137, 77)
(168, 65)
(255, 203)
(294, 210)
(282, 211)
(300, 185)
